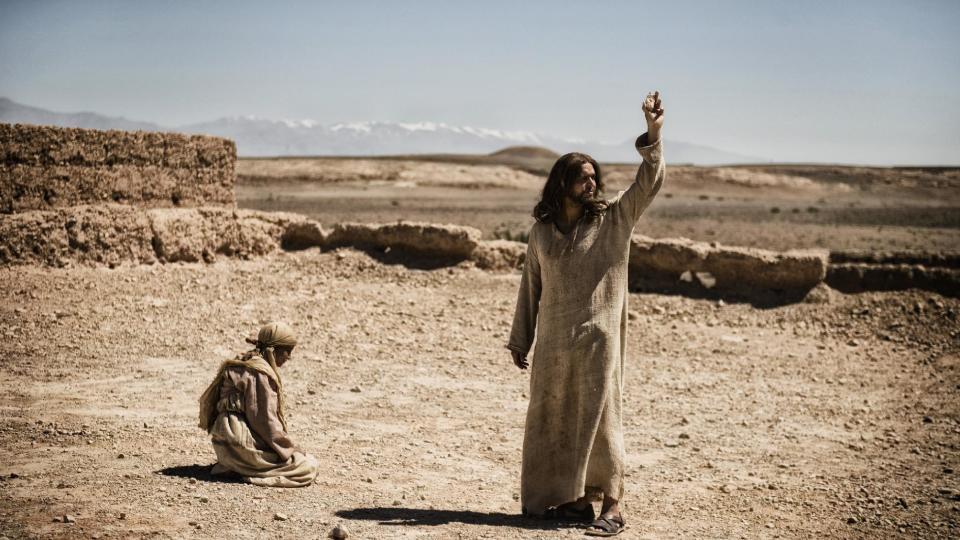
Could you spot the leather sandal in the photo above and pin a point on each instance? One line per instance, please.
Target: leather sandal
(606, 526)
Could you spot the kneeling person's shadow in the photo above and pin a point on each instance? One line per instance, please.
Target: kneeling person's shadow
(200, 473)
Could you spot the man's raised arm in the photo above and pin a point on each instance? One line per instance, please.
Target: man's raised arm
(652, 171)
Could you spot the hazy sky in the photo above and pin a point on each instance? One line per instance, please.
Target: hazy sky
(846, 81)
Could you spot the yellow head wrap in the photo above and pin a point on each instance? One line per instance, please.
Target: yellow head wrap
(275, 334)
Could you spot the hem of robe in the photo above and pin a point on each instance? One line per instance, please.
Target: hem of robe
(540, 501)
(594, 475)
(238, 452)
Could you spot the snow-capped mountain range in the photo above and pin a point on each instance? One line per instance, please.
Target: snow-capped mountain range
(264, 137)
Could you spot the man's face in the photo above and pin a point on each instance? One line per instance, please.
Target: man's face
(584, 188)
(281, 355)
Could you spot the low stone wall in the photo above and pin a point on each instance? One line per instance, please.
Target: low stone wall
(499, 254)
(119, 234)
(445, 241)
(43, 168)
(203, 234)
(858, 277)
(916, 258)
(115, 234)
(659, 263)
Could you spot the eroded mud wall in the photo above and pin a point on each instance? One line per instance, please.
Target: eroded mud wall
(43, 168)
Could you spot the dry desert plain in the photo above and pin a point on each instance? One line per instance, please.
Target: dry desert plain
(777, 207)
(835, 417)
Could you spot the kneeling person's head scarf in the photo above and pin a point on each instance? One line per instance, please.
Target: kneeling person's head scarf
(271, 336)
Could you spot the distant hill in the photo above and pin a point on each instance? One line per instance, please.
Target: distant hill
(12, 112)
(258, 137)
(525, 152)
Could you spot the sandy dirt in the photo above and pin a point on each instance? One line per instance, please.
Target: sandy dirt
(830, 419)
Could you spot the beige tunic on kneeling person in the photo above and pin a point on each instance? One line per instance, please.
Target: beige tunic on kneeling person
(249, 436)
(574, 293)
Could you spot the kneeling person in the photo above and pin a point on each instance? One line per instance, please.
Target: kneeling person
(242, 409)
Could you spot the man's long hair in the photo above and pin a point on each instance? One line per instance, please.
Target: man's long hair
(563, 174)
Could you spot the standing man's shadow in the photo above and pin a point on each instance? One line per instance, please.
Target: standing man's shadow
(395, 515)
(425, 517)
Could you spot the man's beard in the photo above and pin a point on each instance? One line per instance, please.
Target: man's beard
(593, 203)
(586, 198)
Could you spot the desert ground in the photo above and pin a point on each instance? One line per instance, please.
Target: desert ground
(777, 207)
(835, 417)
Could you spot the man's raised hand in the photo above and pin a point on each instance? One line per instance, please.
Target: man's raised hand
(653, 111)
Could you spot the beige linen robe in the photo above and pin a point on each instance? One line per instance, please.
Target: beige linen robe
(573, 292)
(249, 437)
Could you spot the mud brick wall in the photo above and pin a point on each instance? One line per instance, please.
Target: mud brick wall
(662, 263)
(43, 168)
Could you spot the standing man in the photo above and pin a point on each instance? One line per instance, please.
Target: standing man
(573, 295)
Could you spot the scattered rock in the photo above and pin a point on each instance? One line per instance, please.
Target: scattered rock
(355, 389)
(338, 533)
(280, 517)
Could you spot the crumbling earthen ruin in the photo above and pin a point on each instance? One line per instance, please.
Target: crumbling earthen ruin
(77, 196)
(47, 167)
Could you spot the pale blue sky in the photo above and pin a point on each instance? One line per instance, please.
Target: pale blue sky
(853, 82)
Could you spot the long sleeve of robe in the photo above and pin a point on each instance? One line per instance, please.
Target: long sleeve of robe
(573, 302)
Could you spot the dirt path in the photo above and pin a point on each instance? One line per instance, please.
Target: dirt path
(837, 419)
